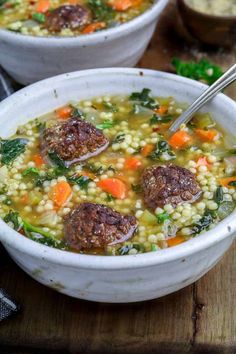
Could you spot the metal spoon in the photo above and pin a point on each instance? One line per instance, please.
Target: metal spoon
(226, 79)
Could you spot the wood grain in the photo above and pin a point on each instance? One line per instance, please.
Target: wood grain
(197, 319)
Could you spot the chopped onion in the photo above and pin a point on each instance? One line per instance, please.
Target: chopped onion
(3, 174)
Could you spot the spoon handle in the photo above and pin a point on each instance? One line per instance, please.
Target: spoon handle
(226, 79)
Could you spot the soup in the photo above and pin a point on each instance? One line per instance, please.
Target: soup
(214, 7)
(67, 18)
(101, 176)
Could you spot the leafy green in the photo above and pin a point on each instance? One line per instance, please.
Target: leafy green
(124, 250)
(57, 161)
(76, 112)
(206, 220)
(97, 170)
(33, 232)
(162, 217)
(2, 2)
(11, 149)
(219, 195)
(81, 181)
(144, 98)
(119, 138)
(39, 17)
(40, 125)
(31, 171)
(101, 11)
(137, 188)
(112, 107)
(160, 119)
(3, 189)
(110, 198)
(13, 218)
(106, 124)
(203, 70)
(154, 247)
(162, 152)
(39, 235)
(232, 184)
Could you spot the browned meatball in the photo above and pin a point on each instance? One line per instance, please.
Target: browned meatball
(68, 16)
(73, 140)
(93, 225)
(169, 185)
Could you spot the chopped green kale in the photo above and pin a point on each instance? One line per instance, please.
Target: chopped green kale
(81, 181)
(144, 98)
(203, 70)
(39, 17)
(11, 149)
(101, 11)
(106, 124)
(162, 152)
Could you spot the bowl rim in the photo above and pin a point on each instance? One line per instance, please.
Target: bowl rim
(93, 38)
(13, 239)
(206, 15)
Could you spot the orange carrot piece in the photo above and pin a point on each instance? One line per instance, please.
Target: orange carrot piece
(225, 181)
(147, 149)
(38, 160)
(61, 193)
(132, 163)
(202, 161)
(121, 5)
(64, 112)
(43, 6)
(25, 199)
(92, 27)
(113, 186)
(207, 135)
(180, 139)
(175, 241)
(161, 110)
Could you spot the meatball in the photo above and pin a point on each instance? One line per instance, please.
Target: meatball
(169, 185)
(73, 140)
(67, 16)
(93, 225)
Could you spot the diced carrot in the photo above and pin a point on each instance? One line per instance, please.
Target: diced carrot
(60, 193)
(92, 27)
(25, 199)
(202, 161)
(132, 163)
(43, 6)
(180, 139)
(113, 186)
(161, 110)
(38, 160)
(147, 149)
(121, 5)
(64, 112)
(207, 135)
(225, 182)
(175, 241)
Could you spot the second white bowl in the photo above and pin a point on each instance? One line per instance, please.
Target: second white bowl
(29, 58)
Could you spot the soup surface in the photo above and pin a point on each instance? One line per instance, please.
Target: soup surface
(101, 176)
(214, 7)
(67, 18)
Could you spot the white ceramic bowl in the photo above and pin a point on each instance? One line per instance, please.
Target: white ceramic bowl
(114, 278)
(29, 58)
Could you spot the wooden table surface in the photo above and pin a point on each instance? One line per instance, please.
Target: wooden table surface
(197, 319)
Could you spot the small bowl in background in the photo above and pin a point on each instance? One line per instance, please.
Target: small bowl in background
(209, 29)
